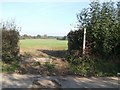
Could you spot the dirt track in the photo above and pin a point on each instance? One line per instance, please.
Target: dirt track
(27, 81)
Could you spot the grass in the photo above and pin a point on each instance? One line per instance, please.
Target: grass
(44, 43)
(33, 45)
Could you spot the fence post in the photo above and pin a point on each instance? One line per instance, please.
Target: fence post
(84, 40)
(118, 74)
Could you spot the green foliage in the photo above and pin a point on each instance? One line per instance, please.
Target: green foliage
(36, 63)
(10, 40)
(102, 29)
(50, 67)
(10, 67)
(102, 22)
(75, 40)
(93, 67)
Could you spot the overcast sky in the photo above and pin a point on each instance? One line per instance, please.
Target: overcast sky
(51, 18)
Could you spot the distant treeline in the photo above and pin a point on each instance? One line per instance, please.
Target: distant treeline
(25, 36)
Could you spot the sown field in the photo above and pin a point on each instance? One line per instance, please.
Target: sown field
(34, 45)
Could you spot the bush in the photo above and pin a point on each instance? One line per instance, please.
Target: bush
(102, 23)
(10, 43)
(92, 66)
(75, 43)
(75, 40)
(10, 67)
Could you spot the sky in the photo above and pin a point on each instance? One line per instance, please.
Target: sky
(39, 18)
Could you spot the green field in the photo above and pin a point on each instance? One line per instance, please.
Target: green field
(43, 43)
(31, 45)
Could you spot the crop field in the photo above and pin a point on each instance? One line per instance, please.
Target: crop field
(32, 46)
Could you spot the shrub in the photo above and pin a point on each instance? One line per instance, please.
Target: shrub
(92, 66)
(10, 42)
(102, 23)
(10, 67)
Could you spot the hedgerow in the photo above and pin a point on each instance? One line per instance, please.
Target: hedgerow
(10, 42)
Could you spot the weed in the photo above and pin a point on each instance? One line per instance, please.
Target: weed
(10, 67)
(36, 63)
(50, 67)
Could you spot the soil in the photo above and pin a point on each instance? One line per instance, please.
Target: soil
(57, 66)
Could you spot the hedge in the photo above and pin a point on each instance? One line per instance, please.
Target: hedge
(75, 43)
(10, 45)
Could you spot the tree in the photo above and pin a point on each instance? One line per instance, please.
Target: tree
(38, 36)
(45, 36)
(102, 22)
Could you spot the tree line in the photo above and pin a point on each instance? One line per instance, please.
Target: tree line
(45, 36)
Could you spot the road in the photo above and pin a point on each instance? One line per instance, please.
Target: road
(26, 81)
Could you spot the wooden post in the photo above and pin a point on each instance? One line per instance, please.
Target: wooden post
(84, 41)
(118, 74)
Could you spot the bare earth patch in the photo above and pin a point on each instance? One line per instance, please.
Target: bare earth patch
(44, 66)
